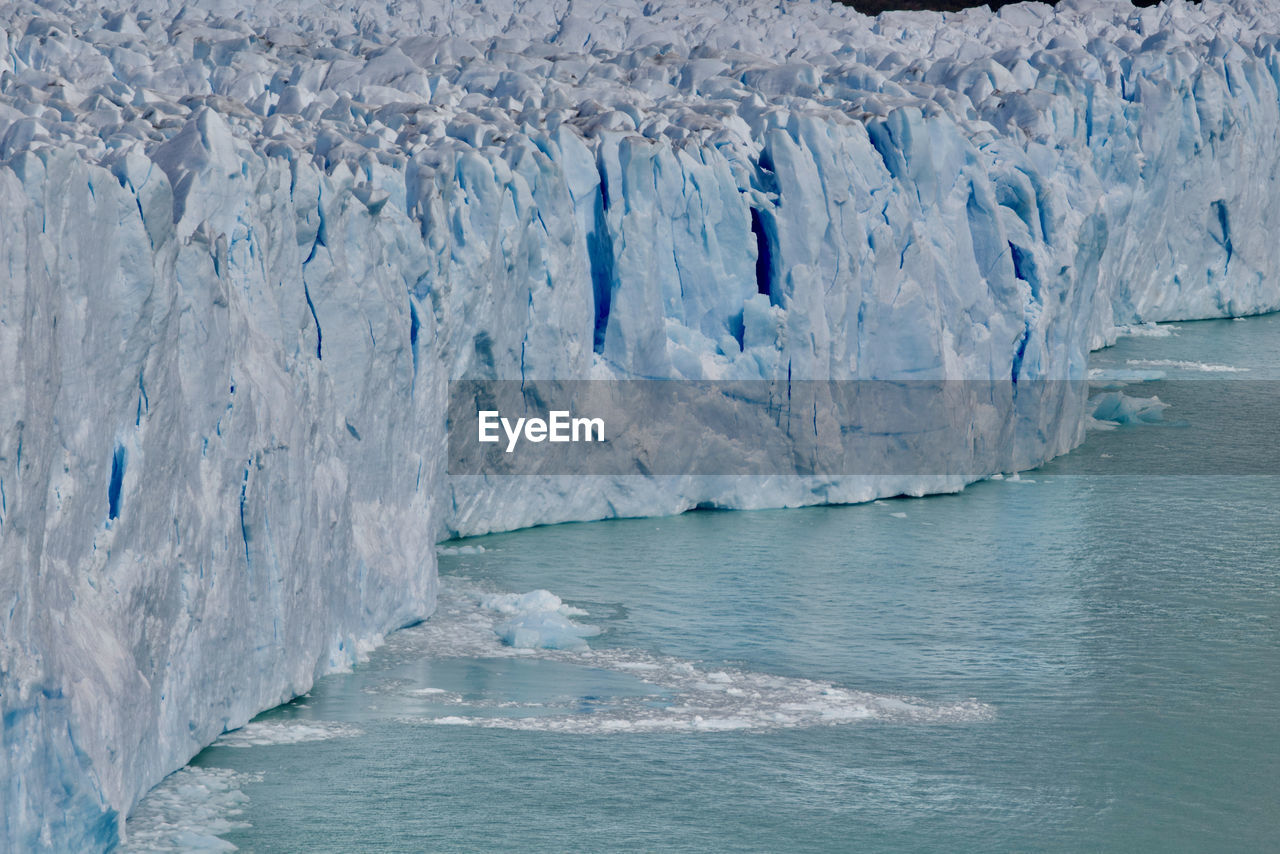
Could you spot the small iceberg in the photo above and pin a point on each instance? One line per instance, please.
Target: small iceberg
(460, 550)
(1113, 408)
(539, 620)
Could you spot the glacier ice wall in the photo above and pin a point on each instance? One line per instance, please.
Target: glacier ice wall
(244, 247)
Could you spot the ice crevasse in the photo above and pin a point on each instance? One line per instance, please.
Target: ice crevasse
(245, 246)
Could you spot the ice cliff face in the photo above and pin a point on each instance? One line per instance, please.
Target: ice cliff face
(243, 248)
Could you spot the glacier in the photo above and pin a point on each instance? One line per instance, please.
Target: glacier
(246, 246)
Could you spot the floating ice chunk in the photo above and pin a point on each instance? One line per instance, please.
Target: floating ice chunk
(264, 733)
(1146, 330)
(685, 697)
(539, 620)
(544, 630)
(1113, 408)
(189, 810)
(1183, 365)
(531, 602)
(460, 550)
(520, 603)
(1115, 378)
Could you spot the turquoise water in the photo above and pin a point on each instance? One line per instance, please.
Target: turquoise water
(1058, 662)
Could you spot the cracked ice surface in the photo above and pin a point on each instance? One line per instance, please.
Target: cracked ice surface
(243, 247)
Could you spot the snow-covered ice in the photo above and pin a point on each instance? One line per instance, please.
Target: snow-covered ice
(245, 246)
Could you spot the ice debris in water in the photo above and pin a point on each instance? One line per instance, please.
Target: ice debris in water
(538, 620)
(1146, 330)
(460, 550)
(686, 697)
(1114, 378)
(1114, 408)
(264, 733)
(189, 811)
(1184, 365)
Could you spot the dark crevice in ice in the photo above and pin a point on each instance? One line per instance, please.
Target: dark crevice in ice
(600, 259)
(319, 335)
(414, 326)
(1223, 236)
(244, 525)
(118, 461)
(761, 229)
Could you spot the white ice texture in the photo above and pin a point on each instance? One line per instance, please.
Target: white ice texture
(1114, 408)
(538, 620)
(244, 246)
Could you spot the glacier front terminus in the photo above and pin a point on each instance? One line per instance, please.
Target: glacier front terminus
(245, 245)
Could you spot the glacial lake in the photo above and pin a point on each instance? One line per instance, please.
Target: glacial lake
(1057, 662)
